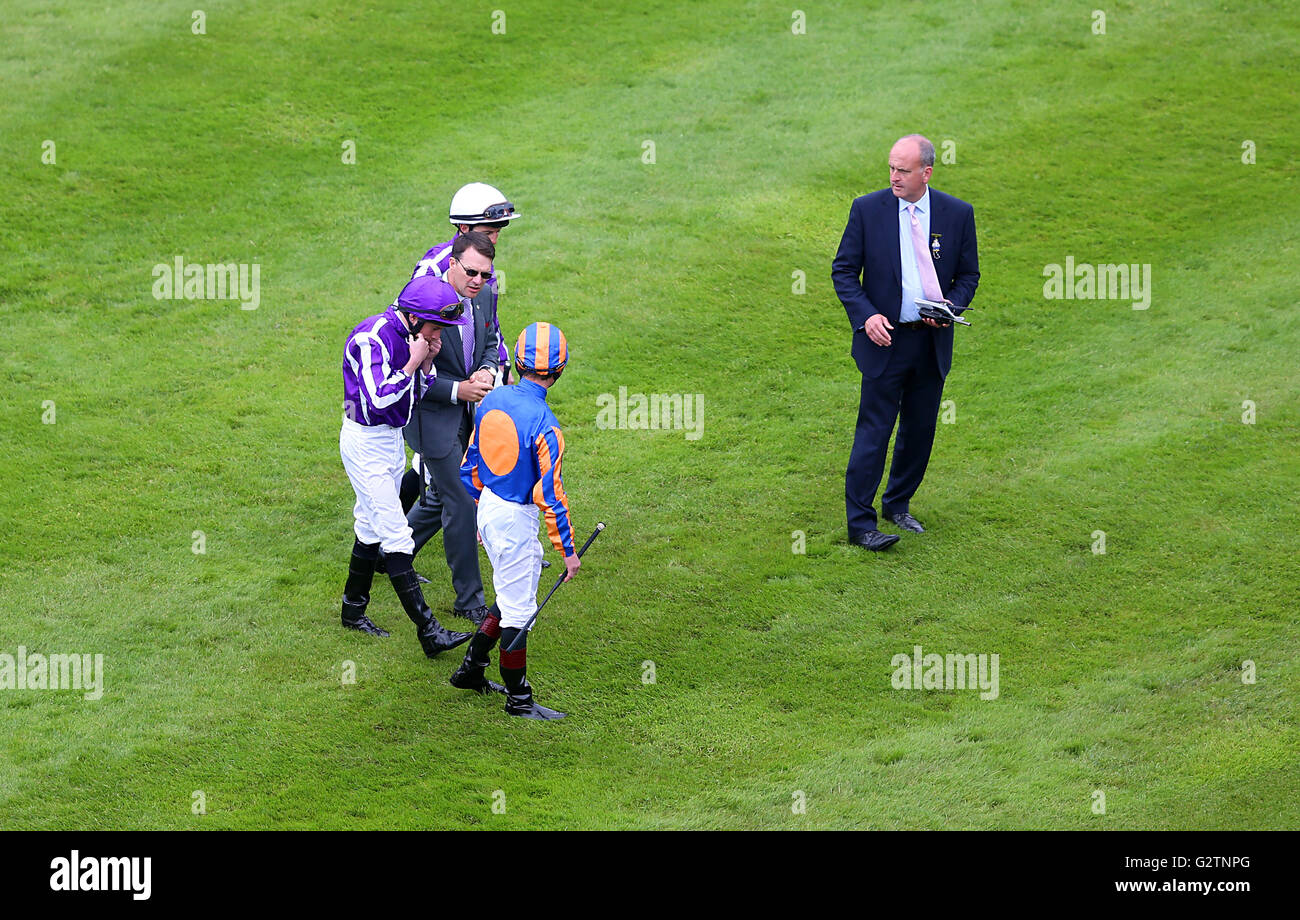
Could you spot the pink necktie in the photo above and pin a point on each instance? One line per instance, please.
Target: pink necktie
(929, 280)
(467, 339)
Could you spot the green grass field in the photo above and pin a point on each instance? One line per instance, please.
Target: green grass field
(132, 423)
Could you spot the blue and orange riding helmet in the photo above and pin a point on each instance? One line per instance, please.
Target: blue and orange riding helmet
(541, 349)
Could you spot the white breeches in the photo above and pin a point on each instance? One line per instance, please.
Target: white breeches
(509, 534)
(375, 459)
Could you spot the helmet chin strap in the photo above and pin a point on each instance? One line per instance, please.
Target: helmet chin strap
(413, 326)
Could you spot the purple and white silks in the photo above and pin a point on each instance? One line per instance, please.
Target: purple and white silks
(375, 390)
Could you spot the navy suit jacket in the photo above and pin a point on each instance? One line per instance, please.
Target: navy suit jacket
(867, 270)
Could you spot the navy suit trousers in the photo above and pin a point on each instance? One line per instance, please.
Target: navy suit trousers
(908, 391)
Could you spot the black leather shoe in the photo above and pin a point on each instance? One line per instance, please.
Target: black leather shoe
(905, 521)
(475, 615)
(875, 540)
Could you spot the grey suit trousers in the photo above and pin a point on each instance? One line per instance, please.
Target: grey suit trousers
(448, 507)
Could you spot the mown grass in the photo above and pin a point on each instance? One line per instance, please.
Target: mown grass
(1120, 672)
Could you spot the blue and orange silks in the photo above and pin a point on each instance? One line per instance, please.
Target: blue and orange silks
(516, 451)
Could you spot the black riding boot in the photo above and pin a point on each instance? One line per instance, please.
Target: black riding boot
(469, 676)
(381, 568)
(519, 693)
(410, 490)
(433, 637)
(356, 593)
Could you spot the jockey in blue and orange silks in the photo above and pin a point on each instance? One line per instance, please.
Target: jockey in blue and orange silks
(513, 470)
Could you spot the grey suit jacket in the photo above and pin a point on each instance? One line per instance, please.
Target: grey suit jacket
(435, 426)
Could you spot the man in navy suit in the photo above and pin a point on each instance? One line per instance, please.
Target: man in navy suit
(903, 243)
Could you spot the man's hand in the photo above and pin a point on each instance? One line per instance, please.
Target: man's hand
(419, 351)
(934, 322)
(571, 566)
(472, 390)
(483, 375)
(435, 346)
(875, 328)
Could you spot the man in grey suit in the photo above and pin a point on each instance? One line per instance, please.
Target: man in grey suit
(440, 428)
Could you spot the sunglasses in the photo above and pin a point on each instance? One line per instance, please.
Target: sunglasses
(472, 272)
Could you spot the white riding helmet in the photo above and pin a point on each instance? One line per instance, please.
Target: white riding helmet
(478, 203)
